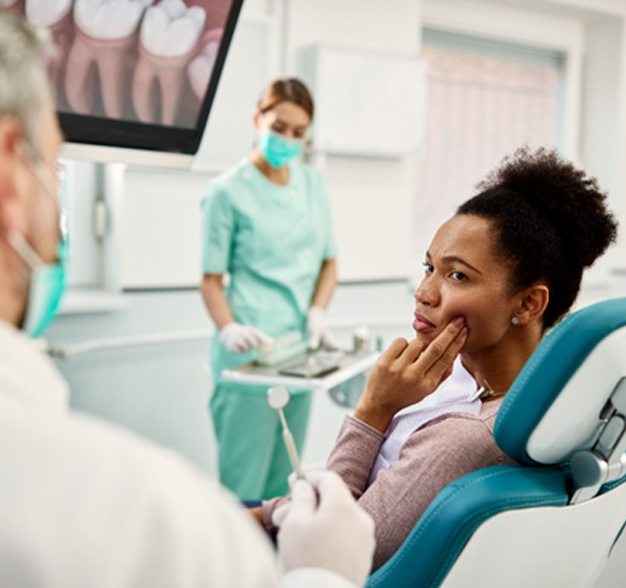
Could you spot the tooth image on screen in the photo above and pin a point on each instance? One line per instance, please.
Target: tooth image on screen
(140, 74)
(201, 66)
(106, 32)
(216, 11)
(47, 13)
(14, 6)
(169, 39)
(56, 15)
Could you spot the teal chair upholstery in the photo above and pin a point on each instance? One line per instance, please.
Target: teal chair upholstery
(553, 519)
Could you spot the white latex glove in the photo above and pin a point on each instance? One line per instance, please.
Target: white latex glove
(319, 335)
(336, 535)
(239, 338)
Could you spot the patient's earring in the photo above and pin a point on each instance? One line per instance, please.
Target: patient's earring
(515, 320)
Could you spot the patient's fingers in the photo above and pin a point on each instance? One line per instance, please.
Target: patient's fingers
(444, 364)
(439, 349)
(412, 352)
(394, 350)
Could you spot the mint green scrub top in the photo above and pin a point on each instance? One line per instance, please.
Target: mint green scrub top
(271, 240)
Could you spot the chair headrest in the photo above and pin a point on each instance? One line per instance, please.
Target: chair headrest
(553, 408)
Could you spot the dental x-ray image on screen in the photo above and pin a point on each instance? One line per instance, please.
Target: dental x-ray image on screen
(135, 73)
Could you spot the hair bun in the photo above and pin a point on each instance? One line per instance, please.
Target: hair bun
(565, 196)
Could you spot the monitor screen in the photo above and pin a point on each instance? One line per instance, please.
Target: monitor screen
(135, 73)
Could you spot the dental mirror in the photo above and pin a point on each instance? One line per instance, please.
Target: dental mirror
(278, 398)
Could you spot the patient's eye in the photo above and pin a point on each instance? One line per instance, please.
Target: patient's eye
(428, 267)
(458, 276)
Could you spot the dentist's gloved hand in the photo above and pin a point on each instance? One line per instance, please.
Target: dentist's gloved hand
(238, 338)
(325, 528)
(319, 335)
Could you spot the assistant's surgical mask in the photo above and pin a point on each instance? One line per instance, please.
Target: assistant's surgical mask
(277, 149)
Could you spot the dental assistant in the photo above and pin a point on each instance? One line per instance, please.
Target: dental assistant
(82, 502)
(267, 224)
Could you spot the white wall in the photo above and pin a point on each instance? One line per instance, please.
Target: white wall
(368, 24)
(165, 252)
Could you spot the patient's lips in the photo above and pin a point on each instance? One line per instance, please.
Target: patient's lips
(168, 41)
(422, 325)
(200, 68)
(106, 32)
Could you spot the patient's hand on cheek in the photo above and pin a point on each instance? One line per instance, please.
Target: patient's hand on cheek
(407, 372)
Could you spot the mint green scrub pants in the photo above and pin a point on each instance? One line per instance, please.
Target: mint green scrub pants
(253, 461)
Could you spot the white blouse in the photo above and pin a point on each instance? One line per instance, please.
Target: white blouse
(456, 394)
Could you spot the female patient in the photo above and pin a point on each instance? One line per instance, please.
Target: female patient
(499, 273)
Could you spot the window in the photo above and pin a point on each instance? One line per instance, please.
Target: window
(485, 99)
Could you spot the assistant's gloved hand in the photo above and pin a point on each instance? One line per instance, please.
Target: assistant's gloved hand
(319, 335)
(325, 528)
(238, 338)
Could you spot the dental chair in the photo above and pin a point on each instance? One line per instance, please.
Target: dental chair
(552, 520)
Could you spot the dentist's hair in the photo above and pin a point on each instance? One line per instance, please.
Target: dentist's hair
(286, 90)
(551, 223)
(25, 91)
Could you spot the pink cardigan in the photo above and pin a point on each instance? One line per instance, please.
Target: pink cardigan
(436, 454)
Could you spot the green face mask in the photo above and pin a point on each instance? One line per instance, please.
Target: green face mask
(47, 280)
(278, 150)
(47, 285)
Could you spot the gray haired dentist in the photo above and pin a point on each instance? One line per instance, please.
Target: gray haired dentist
(83, 503)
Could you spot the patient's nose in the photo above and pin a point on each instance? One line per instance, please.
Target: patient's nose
(427, 293)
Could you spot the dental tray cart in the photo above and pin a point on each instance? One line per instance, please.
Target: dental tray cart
(314, 370)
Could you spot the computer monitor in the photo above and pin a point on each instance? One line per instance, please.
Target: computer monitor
(136, 74)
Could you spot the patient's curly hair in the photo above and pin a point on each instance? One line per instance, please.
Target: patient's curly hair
(551, 221)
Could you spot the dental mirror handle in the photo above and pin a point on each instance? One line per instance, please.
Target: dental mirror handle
(291, 447)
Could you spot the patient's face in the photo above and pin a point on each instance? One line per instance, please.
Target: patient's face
(464, 276)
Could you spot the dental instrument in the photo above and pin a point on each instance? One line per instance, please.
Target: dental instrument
(277, 398)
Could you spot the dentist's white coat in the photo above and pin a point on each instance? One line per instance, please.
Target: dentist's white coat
(86, 504)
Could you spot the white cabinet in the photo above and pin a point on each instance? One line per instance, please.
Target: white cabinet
(368, 103)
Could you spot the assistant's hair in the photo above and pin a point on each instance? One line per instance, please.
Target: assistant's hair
(25, 91)
(551, 223)
(286, 90)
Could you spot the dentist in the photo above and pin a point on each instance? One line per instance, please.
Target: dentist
(83, 503)
(267, 224)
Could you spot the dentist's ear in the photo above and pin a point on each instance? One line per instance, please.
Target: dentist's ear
(11, 141)
(533, 304)
(11, 148)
